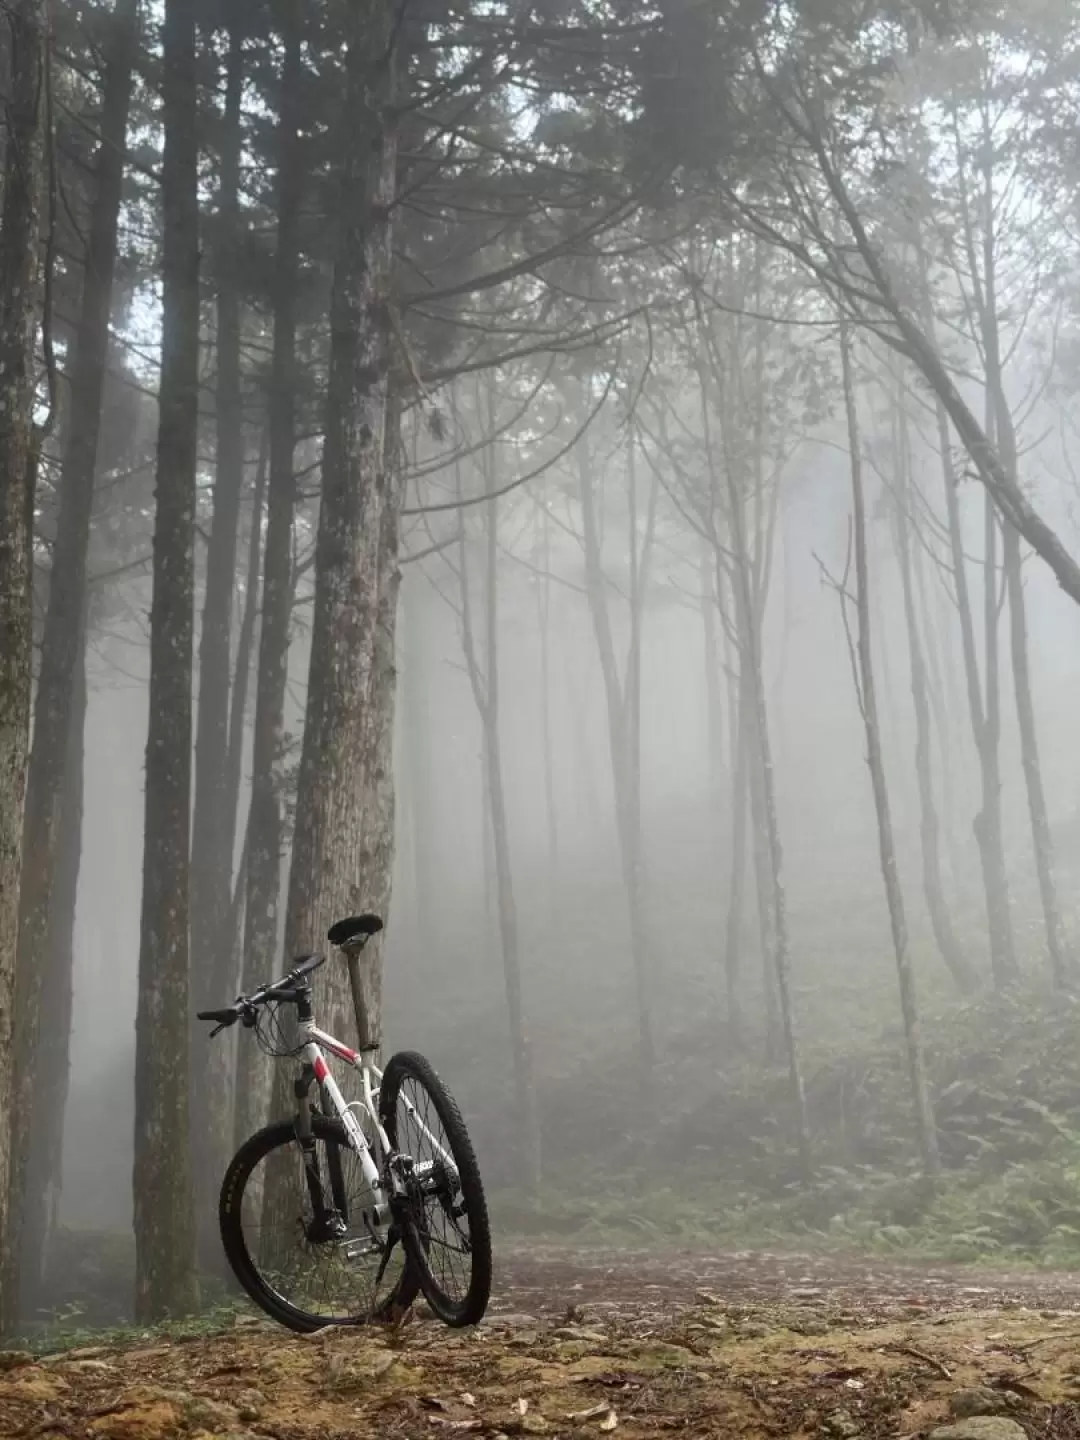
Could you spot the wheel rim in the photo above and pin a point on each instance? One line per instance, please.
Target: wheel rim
(332, 1275)
(436, 1202)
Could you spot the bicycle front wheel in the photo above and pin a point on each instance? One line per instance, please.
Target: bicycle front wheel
(342, 1267)
(444, 1220)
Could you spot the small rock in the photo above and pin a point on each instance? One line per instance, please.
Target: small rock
(210, 1415)
(966, 1404)
(250, 1405)
(90, 1367)
(753, 1332)
(841, 1426)
(981, 1427)
(510, 1320)
(578, 1332)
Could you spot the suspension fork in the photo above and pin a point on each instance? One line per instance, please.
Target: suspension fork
(305, 1138)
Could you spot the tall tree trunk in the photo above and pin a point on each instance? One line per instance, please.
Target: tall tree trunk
(550, 808)
(504, 885)
(213, 827)
(376, 871)
(1062, 962)
(245, 649)
(165, 1281)
(421, 772)
(325, 879)
(266, 821)
(44, 1154)
(749, 585)
(620, 741)
(27, 21)
(988, 837)
(484, 682)
(737, 885)
(47, 796)
(924, 1115)
(933, 888)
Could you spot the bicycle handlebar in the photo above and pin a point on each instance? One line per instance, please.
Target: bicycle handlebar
(288, 990)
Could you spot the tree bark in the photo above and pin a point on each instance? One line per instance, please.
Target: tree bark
(266, 820)
(924, 1115)
(165, 1281)
(28, 22)
(245, 649)
(929, 833)
(213, 827)
(325, 880)
(44, 1154)
(377, 857)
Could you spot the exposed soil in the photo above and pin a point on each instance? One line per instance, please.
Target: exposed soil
(588, 1344)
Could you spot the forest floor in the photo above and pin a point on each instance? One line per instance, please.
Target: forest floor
(585, 1344)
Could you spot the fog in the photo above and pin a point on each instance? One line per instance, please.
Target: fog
(601, 489)
(443, 976)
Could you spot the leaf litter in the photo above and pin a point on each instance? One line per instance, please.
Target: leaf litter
(748, 1354)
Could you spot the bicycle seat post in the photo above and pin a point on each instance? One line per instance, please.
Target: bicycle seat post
(364, 983)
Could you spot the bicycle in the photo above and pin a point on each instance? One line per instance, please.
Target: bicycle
(417, 1204)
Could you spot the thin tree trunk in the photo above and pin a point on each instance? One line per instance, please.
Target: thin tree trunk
(266, 821)
(768, 852)
(165, 1281)
(619, 737)
(714, 705)
(45, 1152)
(417, 706)
(933, 888)
(27, 21)
(988, 837)
(48, 790)
(245, 649)
(1000, 429)
(484, 681)
(213, 827)
(550, 808)
(1062, 962)
(737, 887)
(507, 908)
(924, 1115)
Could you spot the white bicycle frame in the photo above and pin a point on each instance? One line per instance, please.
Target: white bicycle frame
(313, 1041)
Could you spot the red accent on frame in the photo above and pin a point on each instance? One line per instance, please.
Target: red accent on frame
(321, 1070)
(343, 1052)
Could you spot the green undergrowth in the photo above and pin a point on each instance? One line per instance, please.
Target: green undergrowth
(73, 1330)
(1029, 1215)
(712, 1161)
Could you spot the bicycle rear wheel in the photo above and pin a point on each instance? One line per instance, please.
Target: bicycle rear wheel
(444, 1222)
(346, 1269)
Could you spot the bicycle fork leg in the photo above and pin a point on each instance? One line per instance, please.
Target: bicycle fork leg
(306, 1140)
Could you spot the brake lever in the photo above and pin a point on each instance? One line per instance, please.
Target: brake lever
(217, 1030)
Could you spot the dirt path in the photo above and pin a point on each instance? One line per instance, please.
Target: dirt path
(583, 1345)
(544, 1280)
